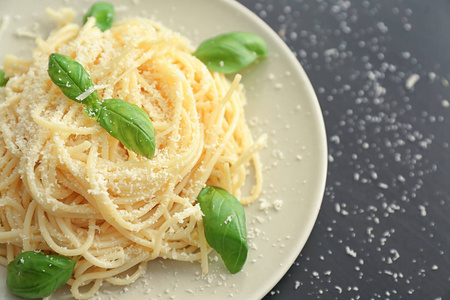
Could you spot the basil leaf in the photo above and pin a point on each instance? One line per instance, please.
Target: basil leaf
(3, 78)
(71, 77)
(92, 110)
(34, 274)
(128, 123)
(230, 52)
(225, 229)
(125, 121)
(104, 14)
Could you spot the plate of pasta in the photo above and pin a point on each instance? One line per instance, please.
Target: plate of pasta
(158, 149)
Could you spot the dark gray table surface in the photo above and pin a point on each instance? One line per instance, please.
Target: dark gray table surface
(381, 71)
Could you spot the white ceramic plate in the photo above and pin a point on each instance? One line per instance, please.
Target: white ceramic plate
(281, 102)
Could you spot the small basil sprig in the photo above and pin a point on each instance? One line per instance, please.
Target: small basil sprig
(71, 78)
(230, 52)
(103, 13)
(225, 229)
(127, 122)
(33, 274)
(3, 78)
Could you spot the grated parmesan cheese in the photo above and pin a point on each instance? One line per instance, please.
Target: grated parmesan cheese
(411, 81)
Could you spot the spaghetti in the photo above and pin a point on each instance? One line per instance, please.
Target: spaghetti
(68, 187)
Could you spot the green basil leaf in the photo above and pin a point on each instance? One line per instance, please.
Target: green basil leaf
(230, 52)
(3, 78)
(225, 229)
(92, 110)
(34, 274)
(128, 123)
(125, 121)
(71, 78)
(103, 12)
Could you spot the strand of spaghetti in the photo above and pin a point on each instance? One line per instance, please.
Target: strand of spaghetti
(62, 127)
(91, 292)
(7, 201)
(61, 36)
(42, 220)
(26, 231)
(109, 242)
(209, 161)
(221, 105)
(10, 173)
(213, 156)
(70, 234)
(142, 268)
(182, 232)
(257, 187)
(247, 155)
(114, 262)
(8, 236)
(203, 248)
(9, 101)
(63, 16)
(10, 252)
(14, 66)
(80, 268)
(106, 205)
(39, 193)
(145, 43)
(88, 277)
(3, 260)
(146, 56)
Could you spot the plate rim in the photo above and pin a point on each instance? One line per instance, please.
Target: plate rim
(322, 141)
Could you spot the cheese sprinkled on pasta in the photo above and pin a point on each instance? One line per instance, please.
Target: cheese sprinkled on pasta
(68, 187)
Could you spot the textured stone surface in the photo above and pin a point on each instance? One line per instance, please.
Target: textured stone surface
(380, 70)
